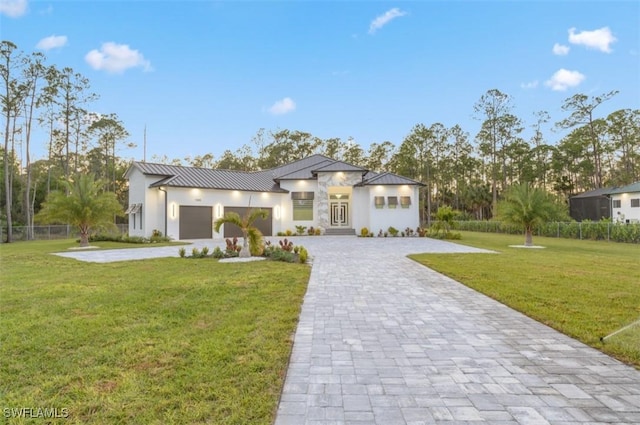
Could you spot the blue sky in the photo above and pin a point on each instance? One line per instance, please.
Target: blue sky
(205, 76)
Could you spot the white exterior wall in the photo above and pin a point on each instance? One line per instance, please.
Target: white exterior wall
(218, 199)
(361, 209)
(400, 218)
(152, 201)
(286, 209)
(625, 212)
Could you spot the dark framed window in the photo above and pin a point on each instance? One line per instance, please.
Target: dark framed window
(378, 201)
(405, 201)
(616, 203)
(392, 201)
(635, 203)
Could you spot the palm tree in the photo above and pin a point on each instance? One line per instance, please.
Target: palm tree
(527, 206)
(82, 203)
(251, 235)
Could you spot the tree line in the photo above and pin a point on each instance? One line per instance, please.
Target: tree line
(468, 172)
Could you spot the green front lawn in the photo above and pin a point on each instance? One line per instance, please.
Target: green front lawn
(156, 341)
(584, 289)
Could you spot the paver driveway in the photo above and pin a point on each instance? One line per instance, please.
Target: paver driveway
(384, 340)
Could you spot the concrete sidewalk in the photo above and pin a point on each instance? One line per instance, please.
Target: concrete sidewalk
(384, 340)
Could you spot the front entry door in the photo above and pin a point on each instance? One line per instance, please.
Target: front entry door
(339, 214)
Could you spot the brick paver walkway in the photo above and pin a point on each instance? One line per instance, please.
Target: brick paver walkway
(384, 340)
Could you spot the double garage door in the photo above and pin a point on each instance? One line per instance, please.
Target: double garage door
(197, 222)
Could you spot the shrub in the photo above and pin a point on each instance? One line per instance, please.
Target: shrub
(217, 253)
(392, 231)
(300, 230)
(205, 251)
(303, 255)
(364, 232)
(288, 233)
(195, 253)
(182, 252)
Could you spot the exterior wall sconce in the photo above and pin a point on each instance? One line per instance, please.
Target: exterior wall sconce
(219, 210)
(276, 212)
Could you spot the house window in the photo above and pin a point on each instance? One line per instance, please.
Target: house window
(405, 201)
(302, 205)
(393, 201)
(379, 201)
(134, 209)
(635, 203)
(617, 203)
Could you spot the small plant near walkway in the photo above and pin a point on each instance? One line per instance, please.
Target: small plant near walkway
(286, 251)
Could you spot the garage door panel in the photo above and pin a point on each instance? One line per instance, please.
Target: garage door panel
(264, 225)
(196, 222)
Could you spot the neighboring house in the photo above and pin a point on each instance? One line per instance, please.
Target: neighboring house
(337, 197)
(621, 204)
(625, 203)
(593, 205)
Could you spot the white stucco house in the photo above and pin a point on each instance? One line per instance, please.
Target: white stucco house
(625, 203)
(337, 197)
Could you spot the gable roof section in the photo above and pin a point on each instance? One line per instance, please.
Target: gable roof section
(308, 168)
(387, 178)
(206, 178)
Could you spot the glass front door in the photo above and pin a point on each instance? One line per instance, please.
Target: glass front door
(339, 210)
(339, 214)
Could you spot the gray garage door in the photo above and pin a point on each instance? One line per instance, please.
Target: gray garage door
(196, 222)
(265, 226)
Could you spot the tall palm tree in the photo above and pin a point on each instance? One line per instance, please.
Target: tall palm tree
(527, 206)
(251, 235)
(82, 203)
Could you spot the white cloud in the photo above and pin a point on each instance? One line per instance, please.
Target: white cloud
(283, 106)
(13, 8)
(52, 42)
(599, 39)
(563, 79)
(384, 19)
(530, 85)
(560, 49)
(116, 58)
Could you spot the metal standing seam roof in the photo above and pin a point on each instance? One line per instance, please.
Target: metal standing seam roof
(206, 178)
(594, 193)
(387, 178)
(261, 181)
(630, 188)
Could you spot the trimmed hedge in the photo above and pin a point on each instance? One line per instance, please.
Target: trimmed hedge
(592, 230)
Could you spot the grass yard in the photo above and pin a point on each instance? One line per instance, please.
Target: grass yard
(163, 341)
(585, 289)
